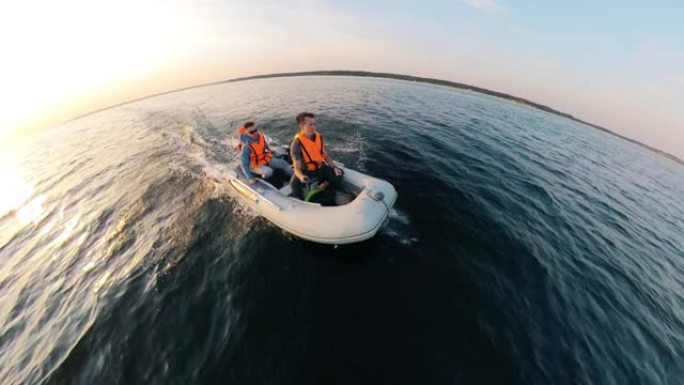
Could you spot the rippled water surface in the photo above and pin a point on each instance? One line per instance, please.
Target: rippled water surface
(524, 248)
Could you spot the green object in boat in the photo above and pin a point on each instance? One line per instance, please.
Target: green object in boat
(310, 194)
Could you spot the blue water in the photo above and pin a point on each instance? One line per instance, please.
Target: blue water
(524, 248)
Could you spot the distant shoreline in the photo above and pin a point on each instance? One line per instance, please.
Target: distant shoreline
(386, 75)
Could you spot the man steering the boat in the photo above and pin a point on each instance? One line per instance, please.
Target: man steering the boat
(256, 156)
(310, 159)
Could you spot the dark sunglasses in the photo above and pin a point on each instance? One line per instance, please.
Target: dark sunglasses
(252, 131)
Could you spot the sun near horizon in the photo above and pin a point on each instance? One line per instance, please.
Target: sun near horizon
(596, 62)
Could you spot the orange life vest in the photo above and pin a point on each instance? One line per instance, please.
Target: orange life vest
(312, 150)
(259, 156)
(241, 130)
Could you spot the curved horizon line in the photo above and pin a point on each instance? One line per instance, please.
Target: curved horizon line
(388, 75)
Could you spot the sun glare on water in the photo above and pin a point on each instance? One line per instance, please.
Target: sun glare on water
(15, 196)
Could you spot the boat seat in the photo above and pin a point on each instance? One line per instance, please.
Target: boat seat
(286, 190)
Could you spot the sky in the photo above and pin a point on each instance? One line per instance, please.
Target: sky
(618, 64)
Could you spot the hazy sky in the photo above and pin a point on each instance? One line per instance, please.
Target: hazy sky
(619, 64)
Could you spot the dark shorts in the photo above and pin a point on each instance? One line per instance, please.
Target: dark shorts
(324, 173)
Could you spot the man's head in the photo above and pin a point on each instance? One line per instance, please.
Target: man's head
(306, 121)
(251, 129)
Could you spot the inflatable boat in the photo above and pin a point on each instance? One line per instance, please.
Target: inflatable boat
(353, 212)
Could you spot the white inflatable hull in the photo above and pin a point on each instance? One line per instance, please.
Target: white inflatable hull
(353, 222)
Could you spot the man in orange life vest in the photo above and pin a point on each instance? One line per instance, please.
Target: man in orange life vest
(256, 157)
(310, 159)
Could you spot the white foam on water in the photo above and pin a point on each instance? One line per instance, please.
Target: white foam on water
(400, 216)
(354, 144)
(399, 227)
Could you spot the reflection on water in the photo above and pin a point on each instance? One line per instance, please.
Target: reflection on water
(524, 248)
(15, 191)
(32, 211)
(18, 206)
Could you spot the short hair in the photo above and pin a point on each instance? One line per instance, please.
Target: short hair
(303, 115)
(248, 124)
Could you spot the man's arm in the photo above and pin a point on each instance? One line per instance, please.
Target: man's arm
(297, 162)
(328, 159)
(297, 169)
(244, 161)
(330, 162)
